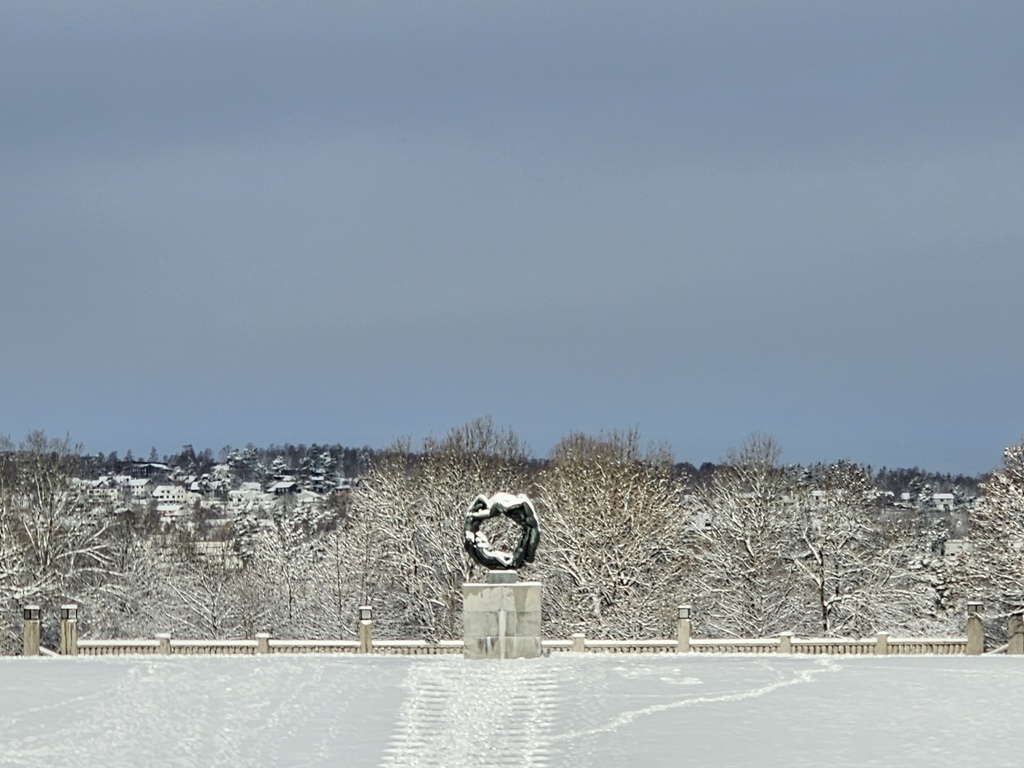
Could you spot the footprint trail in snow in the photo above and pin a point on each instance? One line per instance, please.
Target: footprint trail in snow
(475, 714)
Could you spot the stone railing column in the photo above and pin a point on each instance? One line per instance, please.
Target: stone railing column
(579, 642)
(365, 629)
(881, 644)
(163, 640)
(785, 642)
(1015, 633)
(975, 628)
(262, 642)
(683, 629)
(30, 614)
(69, 630)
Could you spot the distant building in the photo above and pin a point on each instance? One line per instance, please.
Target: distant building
(248, 497)
(148, 469)
(139, 488)
(283, 487)
(955, 547)
(170, 494)
(170, 513)
(104, 491)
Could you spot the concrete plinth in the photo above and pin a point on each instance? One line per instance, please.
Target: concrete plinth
(501, 620)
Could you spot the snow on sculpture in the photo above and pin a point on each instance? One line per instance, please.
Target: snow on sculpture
(517, 508)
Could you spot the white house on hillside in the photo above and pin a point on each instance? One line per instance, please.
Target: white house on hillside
(140, 488)
(247, 497)
(170, 494)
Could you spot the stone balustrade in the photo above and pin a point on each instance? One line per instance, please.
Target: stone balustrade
(786, 643)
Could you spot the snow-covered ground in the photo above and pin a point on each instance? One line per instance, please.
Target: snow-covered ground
(566, 710)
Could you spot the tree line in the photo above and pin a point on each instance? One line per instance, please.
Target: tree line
(628, 533)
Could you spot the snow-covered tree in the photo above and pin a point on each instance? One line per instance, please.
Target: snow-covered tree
(997, 534)
(857, 568)
(134, 601)
(283, 564)
(54, 544)
(279, 467)
(611, 537)
(406, 525)
(746, 581)
(202, 600)
(924, 500)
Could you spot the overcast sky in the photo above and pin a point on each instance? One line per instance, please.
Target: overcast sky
(229, 222)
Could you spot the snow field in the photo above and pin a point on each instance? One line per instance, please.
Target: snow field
(565, 710)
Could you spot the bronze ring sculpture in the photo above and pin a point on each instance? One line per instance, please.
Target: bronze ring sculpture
(517, 508)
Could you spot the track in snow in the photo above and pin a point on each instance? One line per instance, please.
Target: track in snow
(472, 714)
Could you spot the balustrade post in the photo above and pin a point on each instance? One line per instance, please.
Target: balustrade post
(683, 628)
(579, 642)
(975, 628)
(163, 640)
(30, 614)
(1015, 633)
(262, 642)
(785, 642)
(881, 644)
(365, 629)
(69, 630)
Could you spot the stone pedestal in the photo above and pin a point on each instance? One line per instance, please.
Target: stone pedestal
(501, 618)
